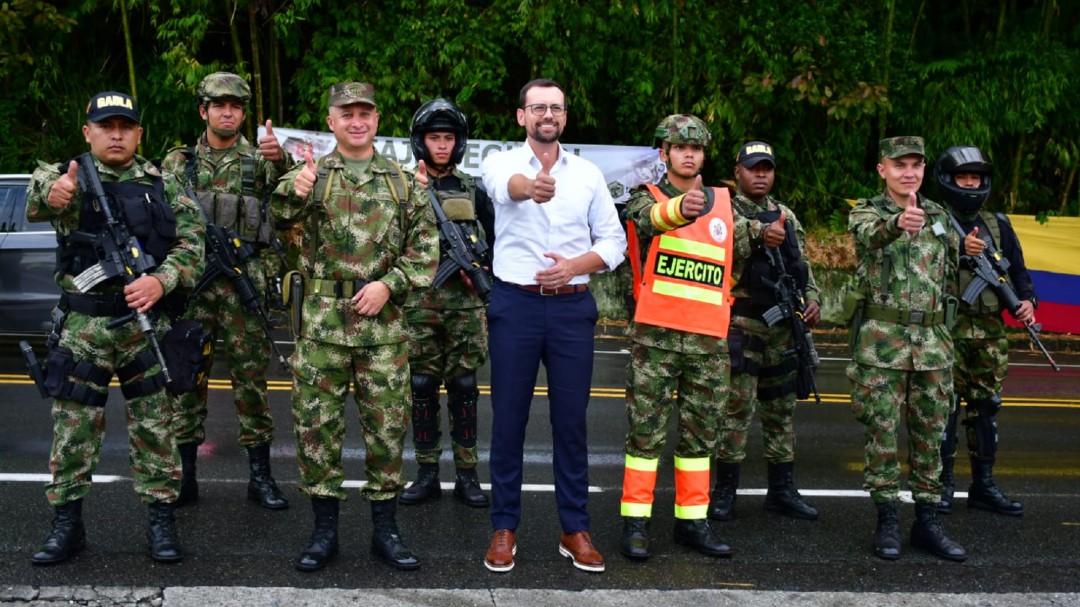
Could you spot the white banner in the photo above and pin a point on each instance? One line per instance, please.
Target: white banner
(623, 166)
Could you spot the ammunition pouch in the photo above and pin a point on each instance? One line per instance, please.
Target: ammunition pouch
(187, 348)
(854, 312)
(242, 213)
(60, 366)
(952, 309)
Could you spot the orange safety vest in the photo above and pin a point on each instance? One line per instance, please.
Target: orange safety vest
(686, 281)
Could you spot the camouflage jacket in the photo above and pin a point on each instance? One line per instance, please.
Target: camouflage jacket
(360, 232)
(453, 294)
(743, 206)
(908, 272)
(180, 269)
(638, 210)
(220, 172)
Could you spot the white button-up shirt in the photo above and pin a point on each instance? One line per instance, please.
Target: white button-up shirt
(580, 218)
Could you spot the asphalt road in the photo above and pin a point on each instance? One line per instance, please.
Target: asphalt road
(230, 542)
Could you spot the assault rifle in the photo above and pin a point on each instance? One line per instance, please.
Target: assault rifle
(991, 270)
(790, 301)
(463, 250)
(226, 255)
(124, 256)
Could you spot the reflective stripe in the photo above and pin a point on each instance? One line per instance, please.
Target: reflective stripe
(691, 487)
(692, 247)
(639, 480)
(691, 513)
(636, 510)
(663, 217)
(674, 289)
(692, 464)
(642, 464)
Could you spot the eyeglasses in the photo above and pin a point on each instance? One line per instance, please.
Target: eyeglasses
(539, 109)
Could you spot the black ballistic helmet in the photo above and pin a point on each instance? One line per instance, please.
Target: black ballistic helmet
(439, 115)
(963, 159)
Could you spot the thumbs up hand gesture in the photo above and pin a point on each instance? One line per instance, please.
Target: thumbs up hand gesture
(543, 186)
(913, 218)
(63, 190)
(421, 174)
(973, 245)
(693, 202)
(305, 179)
(774, 234)
(269, 146)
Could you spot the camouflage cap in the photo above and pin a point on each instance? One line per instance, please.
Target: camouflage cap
(109, 104)
(224, 84)
(683, 128)
(895, 147)
(348, 93)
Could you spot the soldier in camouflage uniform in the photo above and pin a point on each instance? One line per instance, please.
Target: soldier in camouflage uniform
(763, 363)
(369, 239)
(447, 324)
(902, 352)
(232, 180)
(663, 360)
(982, 350)
(88, 354)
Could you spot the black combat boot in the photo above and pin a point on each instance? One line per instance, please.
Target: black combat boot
(323, 545)
(467, 489)
(782, 495)
(386, 542)
(948, 485)
(261, 486)
(635, 538)
(67, 537)
(984, 494)
(722, 500)
(189, 486)
(425, 487)
(162, 536)
(699, 535)
(887, 534)
(926, 533)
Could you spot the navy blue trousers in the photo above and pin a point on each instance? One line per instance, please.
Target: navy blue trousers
(525, 329)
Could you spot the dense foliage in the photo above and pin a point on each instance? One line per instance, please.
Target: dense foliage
(822, 80)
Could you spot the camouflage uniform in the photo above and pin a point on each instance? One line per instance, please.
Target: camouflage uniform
(361, 232)
(78, 429)
(218, 307)
(773, 385)
(896, 366)
(447, 340)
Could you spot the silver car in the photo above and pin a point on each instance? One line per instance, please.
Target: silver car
(28, 291)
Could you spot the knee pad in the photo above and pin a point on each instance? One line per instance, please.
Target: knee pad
(463, 396)
(981, 421)
(425, 410)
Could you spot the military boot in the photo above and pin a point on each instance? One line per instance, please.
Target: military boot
(948, 485)
(323, 545)
(386, 542)
(189, 486)
(467, 489)
(984, 494)
(722, 500)
(782, 495)
(926, 533)
(699, 535)
(67, 537)
(887, 534)
(161, 534)
(635, 538)
(261, 486)
(425, 487)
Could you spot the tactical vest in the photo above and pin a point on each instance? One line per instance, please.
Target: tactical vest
(143, 208)
(758, 271)
(988, 302)
(248, 216)
(459, 204)
(686, 282)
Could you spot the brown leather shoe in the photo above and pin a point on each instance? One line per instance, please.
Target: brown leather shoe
(500, 554)
(578, 547)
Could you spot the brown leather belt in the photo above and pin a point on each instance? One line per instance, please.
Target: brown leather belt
(564, 290)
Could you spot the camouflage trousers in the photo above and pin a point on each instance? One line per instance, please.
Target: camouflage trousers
(78, 429)
(980, 368)
(653, 376)
(878, 397)
(777, 414)
(447, 344)
(322, 374)
(247, 354)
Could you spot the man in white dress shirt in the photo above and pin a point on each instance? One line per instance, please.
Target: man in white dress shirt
(555, 223)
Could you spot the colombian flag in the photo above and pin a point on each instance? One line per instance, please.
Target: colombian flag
(1052, 256)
